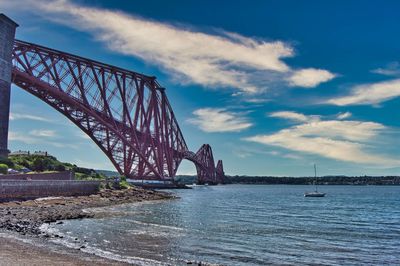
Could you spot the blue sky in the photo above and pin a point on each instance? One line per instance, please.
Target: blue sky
(272, 86)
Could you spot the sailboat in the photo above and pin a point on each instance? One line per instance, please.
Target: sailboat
(314, 193)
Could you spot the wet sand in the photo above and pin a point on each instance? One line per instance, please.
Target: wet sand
(25, 218)
(16, 252)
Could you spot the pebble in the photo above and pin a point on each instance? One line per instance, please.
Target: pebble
(26, 217)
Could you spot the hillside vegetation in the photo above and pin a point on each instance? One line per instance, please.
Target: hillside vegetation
(37, 163)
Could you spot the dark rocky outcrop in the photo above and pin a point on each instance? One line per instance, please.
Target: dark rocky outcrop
(26, 217)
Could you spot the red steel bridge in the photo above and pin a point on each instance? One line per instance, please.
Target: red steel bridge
(127, 114)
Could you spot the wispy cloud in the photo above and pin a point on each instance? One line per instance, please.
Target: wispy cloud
(64, 145)
(218, 59)
(45, 133)
(335, 139)
(40, 137)
(369, 94)
(219, 120)
(18, 116)
(256, 100)
(17, 136)
(245, 152)
(391, 69)
(294, 116)
(345, 115)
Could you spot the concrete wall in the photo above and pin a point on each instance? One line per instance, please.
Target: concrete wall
(66, 175)
(15, 189)
(7, 33)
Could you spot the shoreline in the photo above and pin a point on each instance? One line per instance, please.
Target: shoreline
(28, 251)
(21, 222)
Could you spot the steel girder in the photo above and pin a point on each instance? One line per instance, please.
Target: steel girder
(219, 171)
(127, 114)
(204, 162)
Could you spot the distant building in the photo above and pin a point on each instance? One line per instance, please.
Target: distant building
(15, 153)
(37, 153)
(41, 153)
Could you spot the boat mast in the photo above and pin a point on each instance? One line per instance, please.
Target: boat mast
(315, 177)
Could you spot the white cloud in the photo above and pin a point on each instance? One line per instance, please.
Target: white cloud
(391, 69)
(342, 116)
(43, 133)
(219, 120)
(373, 94)
(64, 145)
(256, 100)
(292, 156)
(220, 59)
(17, 136)
(340, 140)
(247, 151)
(294, 116)
(17, 116)
(310, 77)
(39, 137)
(346, 130)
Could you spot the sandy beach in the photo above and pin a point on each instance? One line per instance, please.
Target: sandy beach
(20, 222)
(17, 252)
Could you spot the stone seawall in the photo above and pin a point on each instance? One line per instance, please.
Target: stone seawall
(22, 189)
(66, 175)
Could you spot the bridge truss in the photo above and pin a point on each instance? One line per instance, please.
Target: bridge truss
(127, 114)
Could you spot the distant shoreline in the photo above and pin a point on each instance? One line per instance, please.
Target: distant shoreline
(319, 184)
(324, 180)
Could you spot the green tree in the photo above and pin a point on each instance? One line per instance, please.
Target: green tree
(3, 168)
(8, 162)
(38, 165)
(60, 168)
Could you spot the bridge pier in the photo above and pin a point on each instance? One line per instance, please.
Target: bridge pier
(7, 34)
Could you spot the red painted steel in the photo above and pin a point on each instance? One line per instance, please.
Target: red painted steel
(127, 114)
(204, 161)
(219, 171)
(206, 174)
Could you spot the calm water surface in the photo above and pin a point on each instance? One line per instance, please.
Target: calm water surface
(250, 225)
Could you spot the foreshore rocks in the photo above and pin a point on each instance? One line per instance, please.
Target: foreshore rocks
(26, 217)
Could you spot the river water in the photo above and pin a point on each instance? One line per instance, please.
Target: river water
(249, 225)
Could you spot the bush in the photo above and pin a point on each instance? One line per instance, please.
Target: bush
(6, 161)
(38, 165)
(3, 168)
(98, 176)
(83, 170)
(60, 168)
(25, 164)
(124, 184)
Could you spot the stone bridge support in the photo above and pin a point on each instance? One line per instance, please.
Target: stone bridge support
(7, 33)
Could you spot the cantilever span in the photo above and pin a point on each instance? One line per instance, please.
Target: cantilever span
(127, 114)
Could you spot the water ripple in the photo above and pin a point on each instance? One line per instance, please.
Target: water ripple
(254, 225)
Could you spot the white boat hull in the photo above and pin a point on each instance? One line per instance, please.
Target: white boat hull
(314, 194)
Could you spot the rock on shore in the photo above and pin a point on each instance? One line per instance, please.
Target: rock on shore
(26, 217)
